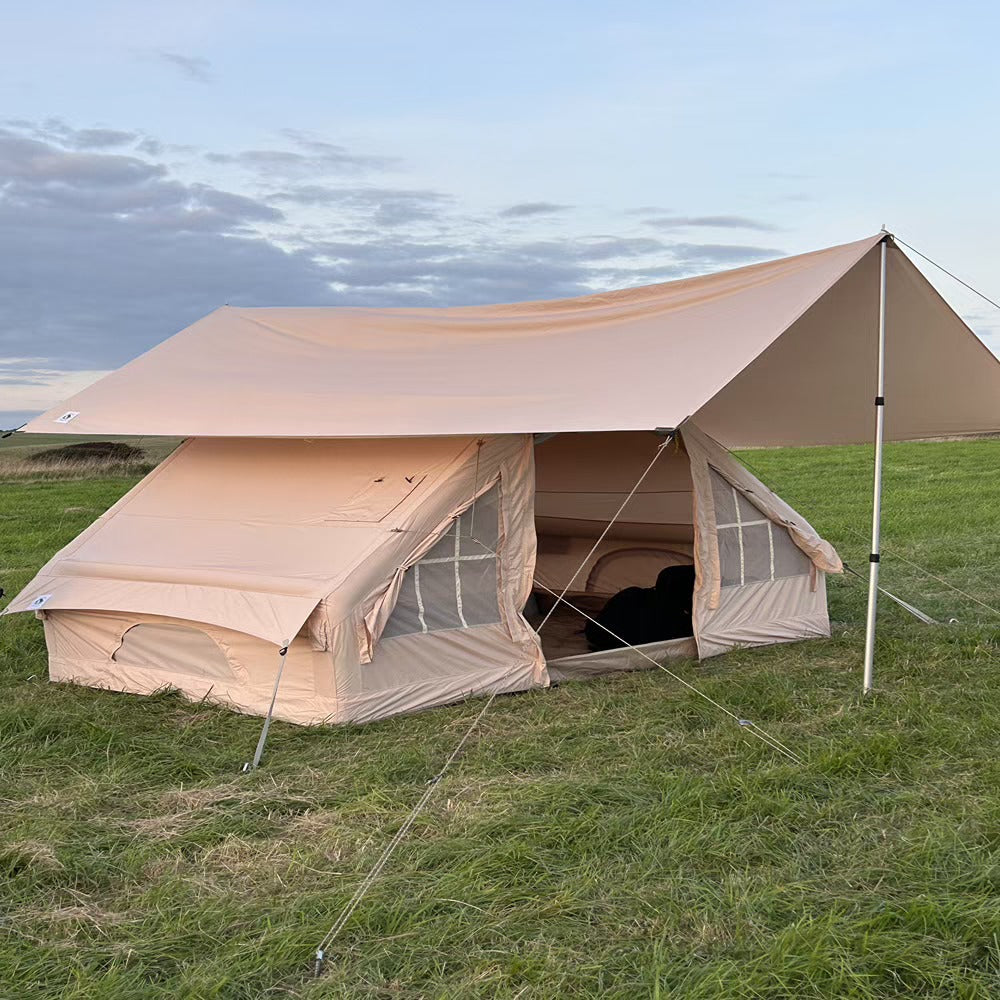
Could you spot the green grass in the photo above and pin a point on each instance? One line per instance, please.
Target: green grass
(620, 838)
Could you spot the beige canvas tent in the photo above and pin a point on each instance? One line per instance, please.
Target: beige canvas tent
(381, 491)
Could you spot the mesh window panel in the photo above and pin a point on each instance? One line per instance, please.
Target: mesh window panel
(748, 512)
(722, 494)
(756, 554)
(437, 591)
(479, 526)
(455, 584)
(444, 548)
(789, 559)
(729, 556)
(751, 551)
(479, 591)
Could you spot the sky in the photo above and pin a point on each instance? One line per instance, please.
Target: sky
(158, 161)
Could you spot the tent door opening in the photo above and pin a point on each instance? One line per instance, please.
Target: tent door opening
(581, 481)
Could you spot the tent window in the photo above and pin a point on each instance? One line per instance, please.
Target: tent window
(455, 584)
(752, 548)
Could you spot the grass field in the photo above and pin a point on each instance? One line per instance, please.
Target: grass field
(620, 838)
(21, 457)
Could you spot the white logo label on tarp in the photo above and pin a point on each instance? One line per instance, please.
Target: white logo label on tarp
(67, 417)
(39, 602)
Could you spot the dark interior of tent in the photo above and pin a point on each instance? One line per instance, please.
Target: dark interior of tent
(634, 585)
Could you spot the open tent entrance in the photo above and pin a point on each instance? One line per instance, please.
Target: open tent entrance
(581, 482)
(623, 517)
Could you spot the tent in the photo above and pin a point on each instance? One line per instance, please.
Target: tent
(399, 568)
(377, 493)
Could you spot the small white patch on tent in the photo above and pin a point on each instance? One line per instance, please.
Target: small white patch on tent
(67, 417)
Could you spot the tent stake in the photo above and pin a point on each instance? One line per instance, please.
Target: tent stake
(252, 766)
(873, 559)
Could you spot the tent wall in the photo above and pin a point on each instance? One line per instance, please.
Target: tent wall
(338, 524)
(408, 674)
(82, 646)
(776, 592)
(414, 672)
(762, 614)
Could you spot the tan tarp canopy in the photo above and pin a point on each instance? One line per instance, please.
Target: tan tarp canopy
(778, 353)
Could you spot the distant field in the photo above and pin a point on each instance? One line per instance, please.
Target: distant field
(20, 456)
(619, 838)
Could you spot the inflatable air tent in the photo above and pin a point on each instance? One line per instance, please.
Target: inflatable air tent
(374, 501)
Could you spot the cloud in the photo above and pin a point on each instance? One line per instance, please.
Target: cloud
(36, 163)
(394, 272)
(102, 138)
(107, 252)
(29, 386)
(310, 158)
(390, 207)
(597, 248)
(151, 147)
(708, 222)
(98, 137)
(195, 68)
(104, 254)
(701, 256)
(527, 209)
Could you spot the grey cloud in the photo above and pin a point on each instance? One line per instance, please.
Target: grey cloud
(385, 207)
(56, 131)
(195, 68)
(709, 222)
(408, 273)
(234, 207)
(696, 256)
(527, 209)
(37, 162)
(596, 248)
(312, 157)
(671, 261)
(313, 145)
(151, 147)
(41, 177)
(102, 138)
(106, 254)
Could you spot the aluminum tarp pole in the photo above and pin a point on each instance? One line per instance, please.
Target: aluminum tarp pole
(873, 558)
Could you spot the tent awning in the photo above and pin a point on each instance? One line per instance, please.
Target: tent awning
(777, 353)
